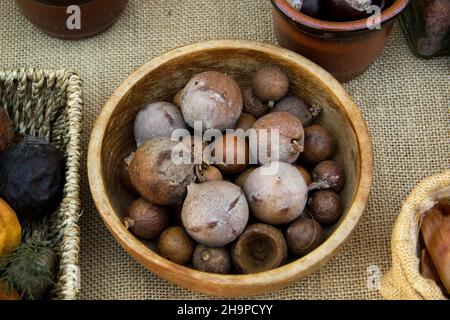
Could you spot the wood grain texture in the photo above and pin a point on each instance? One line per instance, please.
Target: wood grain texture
(160, 79)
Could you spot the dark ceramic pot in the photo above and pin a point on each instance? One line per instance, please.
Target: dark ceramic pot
(345, 49)
(51, 16)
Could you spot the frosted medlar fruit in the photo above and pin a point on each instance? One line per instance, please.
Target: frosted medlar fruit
(7, 133)
(207, 173)
(158, 119)
(230, 153)
(328, 175)
(212, 260)
(296, 107)
(32, 177)
(276, 193)
(304, 235)
(245, 122)
(156, 176)
(215, 213)
(319, 144)
(260, 248)
(270, 84)
(212, 98)
(291, 137)
(325, 206)
(253, 105)
(146, 220)
(175, 245)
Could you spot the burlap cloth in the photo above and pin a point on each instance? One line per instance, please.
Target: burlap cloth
(405, 102)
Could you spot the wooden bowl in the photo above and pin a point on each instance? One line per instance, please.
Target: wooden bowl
(160, 79)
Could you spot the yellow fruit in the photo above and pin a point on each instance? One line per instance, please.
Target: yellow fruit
(10, 230)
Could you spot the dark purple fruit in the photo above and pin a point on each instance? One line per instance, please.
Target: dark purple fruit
(312, 8)
(348, 10)
(32, 177)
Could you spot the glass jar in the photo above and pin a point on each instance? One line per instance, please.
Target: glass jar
(427, 27)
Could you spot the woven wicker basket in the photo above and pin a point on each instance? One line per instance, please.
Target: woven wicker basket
(49, 104)
(404, 281)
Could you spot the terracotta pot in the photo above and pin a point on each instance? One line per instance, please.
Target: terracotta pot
(51, 16)
(345, 49)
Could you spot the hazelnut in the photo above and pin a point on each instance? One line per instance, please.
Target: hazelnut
(326, 206)
(304, 235)
(146, 220)
(212, 260)
(175, 245)
(291, 137)
(215, 213)
(240, 180)
(230, 153)
(270, 84)
(329, 175)
(279, 197)
(177, 99)
(319, 145)
(305, 173)
(296, 107)
(253, 105)
(245, 122)
(212, 98)
(260, 248)
(156, 177)
(158, 119)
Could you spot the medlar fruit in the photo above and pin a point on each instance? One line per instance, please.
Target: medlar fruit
(319, 145)
(175, 245)
(270, 84)
(304, 235)
(325, 206)
(212, 260)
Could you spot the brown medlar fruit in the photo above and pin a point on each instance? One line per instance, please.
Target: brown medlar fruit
(260, 248)
(175, 245)
(212, 98)
(325, 206)
(319, 145)
(146, 220)
(207, 173)
(291, 137)
(304, 235)
(212, 260)
(158, 119)
(270, 84)
(125, 175)
(245, 122)
(240, 180)
(230, 153)
(253, 105)
(328, 175)
(296, 107)
(7, 133)
(215, 213)
(276, 197)
(156, 176)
